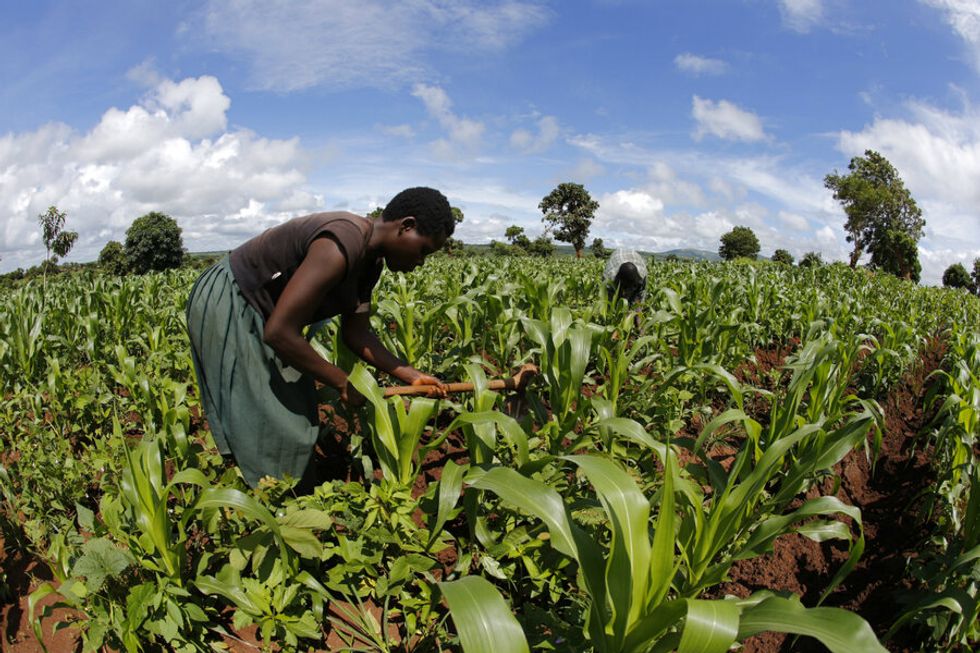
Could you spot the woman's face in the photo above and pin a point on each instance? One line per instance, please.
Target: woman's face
(410, 248)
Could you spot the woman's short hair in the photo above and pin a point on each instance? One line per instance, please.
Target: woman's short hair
(429, 207)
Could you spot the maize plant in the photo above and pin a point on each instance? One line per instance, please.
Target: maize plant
(647, 466)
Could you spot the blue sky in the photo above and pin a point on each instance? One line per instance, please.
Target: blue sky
(683, 118)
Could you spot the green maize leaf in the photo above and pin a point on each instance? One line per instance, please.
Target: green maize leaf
(822, 531)
(561, 320)
(653, 625)
(537, 331)
(854, 556)
(508, 426)
(535, 497)
(834, 447)
(411, 425)
(662, 565)
(450, 487)
(727, 378)
(710, 627)
(233, 591)
(968, 557)
(726, 518)
(384, 429)
(235, 499)
(674, 300)
(580, 339)
(44, 590)
(725, 418)
(483, 620)
(628, 563)
(189, 476)
(483, 400)
(632, 430)
(750, 490)
(546, 504)
(837, 629)
(765, 534)
(954, 600)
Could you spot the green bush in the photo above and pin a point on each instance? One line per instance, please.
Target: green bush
(737, 243)
(811, 260)
(112, 258)
(153, 242)
(782, 256)
(956, 276)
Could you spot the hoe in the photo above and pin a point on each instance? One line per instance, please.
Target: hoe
(517, 382)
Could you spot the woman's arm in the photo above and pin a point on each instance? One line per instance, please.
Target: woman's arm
(360, 339)
(322, 269)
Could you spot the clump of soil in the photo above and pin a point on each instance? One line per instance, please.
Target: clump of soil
(886, 495)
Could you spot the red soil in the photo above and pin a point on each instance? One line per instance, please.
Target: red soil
(887, 498)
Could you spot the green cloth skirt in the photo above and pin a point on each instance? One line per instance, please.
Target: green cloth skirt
(261, 411)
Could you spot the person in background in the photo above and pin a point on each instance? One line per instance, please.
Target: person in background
(625, 275)
(256, 371)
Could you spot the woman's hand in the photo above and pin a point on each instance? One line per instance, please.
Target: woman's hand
(420, 378)
(350, 396)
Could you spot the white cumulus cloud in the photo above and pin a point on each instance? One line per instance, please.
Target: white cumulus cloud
(463, 134)
(793, 220)
(171, 152)
(531, 143)
(964, 17)
(369, 43)
(726, 121)
(801, 15)
(697, 65)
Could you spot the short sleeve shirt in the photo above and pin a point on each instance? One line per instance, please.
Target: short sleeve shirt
(264, 265)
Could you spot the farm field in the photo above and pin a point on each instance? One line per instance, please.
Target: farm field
(769, 459)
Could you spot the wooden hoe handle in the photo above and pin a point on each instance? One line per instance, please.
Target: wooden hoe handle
(517, 382)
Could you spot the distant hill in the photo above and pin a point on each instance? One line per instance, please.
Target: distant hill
(686, 254)
(691, 254)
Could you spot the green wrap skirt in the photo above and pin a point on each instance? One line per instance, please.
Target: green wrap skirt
(261, 411)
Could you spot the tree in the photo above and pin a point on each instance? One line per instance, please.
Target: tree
(52, 232)
(568, 211)
(153, 242)
(502, 249)
(897, 253)
(876, 202)
(811, 260)
(112, 258)
(376, 213)
(599, 249)
(515, 235)
(956, 276)
(739, 242)
(976, 276)
(782, 256)
(541, 246)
